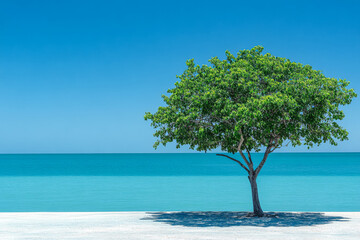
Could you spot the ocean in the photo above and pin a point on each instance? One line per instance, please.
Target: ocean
(176, 182)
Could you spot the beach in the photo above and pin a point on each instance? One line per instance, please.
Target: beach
(177, 225)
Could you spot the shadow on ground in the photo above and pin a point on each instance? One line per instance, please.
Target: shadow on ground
(231, 219)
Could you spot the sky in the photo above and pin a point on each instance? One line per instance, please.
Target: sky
(78, 76)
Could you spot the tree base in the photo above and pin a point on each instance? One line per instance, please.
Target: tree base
(267, 215)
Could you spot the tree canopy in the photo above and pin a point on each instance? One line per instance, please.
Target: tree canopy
(249, 101)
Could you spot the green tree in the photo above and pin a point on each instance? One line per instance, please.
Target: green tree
(249, 103)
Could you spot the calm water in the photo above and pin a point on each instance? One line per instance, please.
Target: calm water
(157, 182)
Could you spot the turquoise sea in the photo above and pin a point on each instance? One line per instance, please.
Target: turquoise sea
(187, 182)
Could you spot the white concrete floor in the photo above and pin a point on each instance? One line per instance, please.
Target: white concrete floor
(132, 225)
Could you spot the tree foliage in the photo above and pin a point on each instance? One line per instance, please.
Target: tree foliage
(249, 101)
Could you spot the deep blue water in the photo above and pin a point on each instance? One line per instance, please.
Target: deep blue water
(189, 182)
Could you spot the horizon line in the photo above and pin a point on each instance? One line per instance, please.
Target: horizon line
(158, 153)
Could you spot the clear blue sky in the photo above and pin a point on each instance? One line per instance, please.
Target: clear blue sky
(77, 76)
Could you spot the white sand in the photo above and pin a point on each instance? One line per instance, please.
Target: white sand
(131, 225)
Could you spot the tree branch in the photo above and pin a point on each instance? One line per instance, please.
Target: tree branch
(249, 155)
(246, 161)
(275, 145)
(242, 165)
(241, 153)
(257, 170)
(241, 141)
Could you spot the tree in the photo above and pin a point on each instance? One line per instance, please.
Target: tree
(249, 103)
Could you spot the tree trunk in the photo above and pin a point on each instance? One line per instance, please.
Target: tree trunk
(255, 197)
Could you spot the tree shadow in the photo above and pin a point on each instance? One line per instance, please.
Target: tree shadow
(231, 219)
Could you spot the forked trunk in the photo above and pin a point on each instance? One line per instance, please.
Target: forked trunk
(255, 197)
